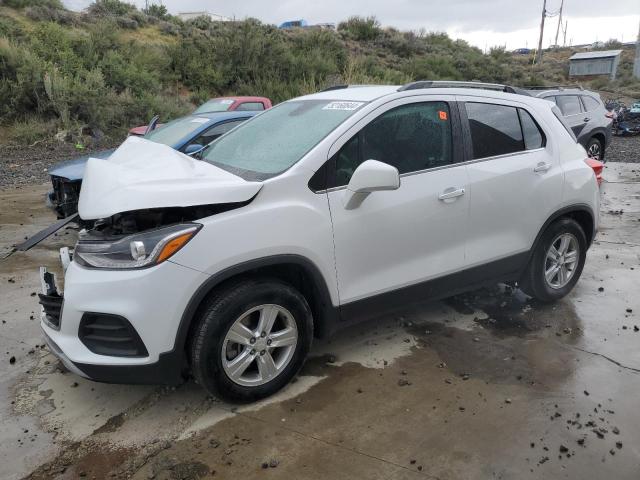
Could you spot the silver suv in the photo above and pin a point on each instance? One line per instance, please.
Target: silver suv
(584, 112)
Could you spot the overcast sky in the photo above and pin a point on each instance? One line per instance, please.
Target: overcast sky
(481, 22)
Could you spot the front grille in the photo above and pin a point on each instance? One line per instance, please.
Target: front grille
(112, 335)
(52, 306)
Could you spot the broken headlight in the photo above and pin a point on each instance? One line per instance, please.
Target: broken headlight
(134, 251)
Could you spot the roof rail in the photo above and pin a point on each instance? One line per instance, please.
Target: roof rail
(457, 84)
(334, 87)
(554, 87)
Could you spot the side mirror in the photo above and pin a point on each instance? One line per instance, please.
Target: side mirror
(192, 149)
(370, 176)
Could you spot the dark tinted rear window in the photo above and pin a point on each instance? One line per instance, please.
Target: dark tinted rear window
(495, 129)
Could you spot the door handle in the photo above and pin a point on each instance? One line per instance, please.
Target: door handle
(450, 193)
(542, 167)
(586, 119)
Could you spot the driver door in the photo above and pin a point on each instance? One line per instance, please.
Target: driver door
(404, 237)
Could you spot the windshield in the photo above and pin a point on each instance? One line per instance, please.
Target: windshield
(218, 105)
(275, 140)
(175, 130)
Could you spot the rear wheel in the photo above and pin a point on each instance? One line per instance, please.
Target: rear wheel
(595, 149)
(252, 338)
(557, 262)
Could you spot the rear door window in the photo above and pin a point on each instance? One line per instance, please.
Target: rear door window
(569, 104)
(495, 129)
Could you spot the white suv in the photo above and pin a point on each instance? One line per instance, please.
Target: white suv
(319, 212)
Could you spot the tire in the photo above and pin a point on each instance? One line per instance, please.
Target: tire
(213, 347)
(595, 149)
(534, 282)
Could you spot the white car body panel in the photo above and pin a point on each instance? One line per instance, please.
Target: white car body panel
(143, 174)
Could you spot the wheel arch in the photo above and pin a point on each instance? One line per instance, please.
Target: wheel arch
(296, 270)
(581, 213)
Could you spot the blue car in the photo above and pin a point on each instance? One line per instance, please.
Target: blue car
(187, 135)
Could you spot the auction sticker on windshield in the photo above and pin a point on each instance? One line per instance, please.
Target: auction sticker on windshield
(343, 106)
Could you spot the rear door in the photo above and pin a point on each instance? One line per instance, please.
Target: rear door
(402, 237)
(515, 180)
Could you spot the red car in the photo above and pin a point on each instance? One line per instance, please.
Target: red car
(221, 104)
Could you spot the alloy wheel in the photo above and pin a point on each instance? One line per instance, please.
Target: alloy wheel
(561, 260)
(259, 345)
(594, 151)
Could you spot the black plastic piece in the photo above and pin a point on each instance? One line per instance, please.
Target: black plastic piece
(113, 335)
(42, 234)
(52, 305)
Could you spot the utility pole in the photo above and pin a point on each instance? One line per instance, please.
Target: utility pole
(564, 33)
(636, 63)
(544, 14)
(559, 23)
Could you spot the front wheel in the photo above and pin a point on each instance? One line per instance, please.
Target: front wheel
(557, 262)
(251, 339)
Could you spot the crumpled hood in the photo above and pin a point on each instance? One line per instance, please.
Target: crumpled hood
(142, 174)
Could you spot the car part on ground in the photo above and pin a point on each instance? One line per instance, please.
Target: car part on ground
(44, 233)
(382, 193)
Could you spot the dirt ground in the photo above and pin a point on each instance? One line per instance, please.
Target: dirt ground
(483, 385)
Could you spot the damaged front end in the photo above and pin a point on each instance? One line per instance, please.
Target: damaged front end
(64, 196)
(141, 238)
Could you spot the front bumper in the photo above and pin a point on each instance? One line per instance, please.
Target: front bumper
(153, 300)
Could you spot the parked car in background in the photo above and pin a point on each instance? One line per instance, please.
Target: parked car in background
(584, 112)
(635, 108)
(222, 104)
(187, 134)
(327, 209)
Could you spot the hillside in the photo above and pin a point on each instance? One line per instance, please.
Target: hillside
(79, 76)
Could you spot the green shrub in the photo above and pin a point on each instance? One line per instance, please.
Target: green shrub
(360, 28)
(31, 130)
(111, 7)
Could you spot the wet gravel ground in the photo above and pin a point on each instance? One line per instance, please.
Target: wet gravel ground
(624, 149)
(24, 165)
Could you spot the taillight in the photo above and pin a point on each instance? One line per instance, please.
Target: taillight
(609, 114)
(597, 167)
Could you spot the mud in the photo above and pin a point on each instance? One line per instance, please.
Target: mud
(484, 385)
